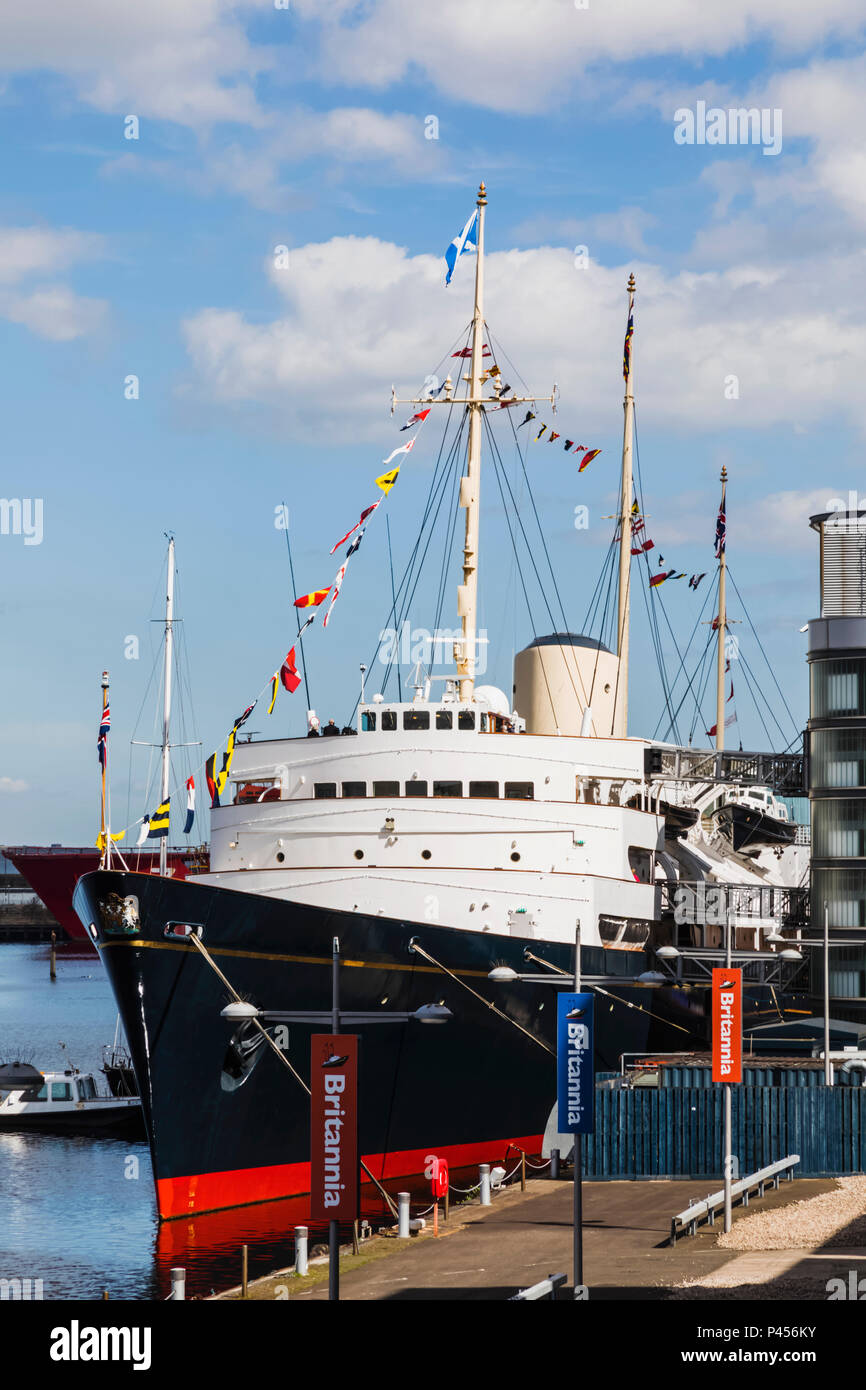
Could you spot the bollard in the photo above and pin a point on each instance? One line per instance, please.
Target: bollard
(403, 1215)
(356, 1248)
(245, 1250)
(301, 1249)
(554, 1163)
(484, 1173)
(178, 1284)
(447, 1201)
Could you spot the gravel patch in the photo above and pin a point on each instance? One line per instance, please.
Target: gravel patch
(832, 1219)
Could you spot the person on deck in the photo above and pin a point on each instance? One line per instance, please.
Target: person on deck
(330, 730)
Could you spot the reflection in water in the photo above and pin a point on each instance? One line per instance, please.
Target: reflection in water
(78, 1212)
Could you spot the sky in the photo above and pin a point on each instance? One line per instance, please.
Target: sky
(154, 160)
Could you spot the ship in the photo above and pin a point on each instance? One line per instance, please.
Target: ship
(52, 871)
(458, 839)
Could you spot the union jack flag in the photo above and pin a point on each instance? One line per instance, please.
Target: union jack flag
(720, 533)
(102, 741)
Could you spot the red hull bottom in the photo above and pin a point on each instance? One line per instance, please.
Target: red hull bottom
(206, 1192)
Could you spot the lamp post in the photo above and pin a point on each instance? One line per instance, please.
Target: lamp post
(240, 1010)
(504, 974)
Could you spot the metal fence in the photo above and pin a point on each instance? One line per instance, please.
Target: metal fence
(676, 1131)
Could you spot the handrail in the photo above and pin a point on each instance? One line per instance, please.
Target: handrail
(545, 1289)
(692, 1214)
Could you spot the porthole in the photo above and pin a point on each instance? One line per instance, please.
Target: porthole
(515, 856)
(359, 854)
(280, 857)
(425, 854)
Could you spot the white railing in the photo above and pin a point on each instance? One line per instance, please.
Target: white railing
(708, 1208)
(545, 1289)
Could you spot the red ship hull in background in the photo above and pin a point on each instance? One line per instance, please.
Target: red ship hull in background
(53, 871)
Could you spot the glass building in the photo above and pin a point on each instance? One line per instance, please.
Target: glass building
(837, 760)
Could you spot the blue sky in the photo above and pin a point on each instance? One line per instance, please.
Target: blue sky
(261, 127)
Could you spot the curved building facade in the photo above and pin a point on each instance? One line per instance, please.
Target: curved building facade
(837, 759)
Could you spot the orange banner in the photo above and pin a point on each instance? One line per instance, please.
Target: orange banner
(727, 1025)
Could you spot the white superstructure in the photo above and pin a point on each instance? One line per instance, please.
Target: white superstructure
(430, 814)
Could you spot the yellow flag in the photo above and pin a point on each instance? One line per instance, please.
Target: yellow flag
(100, 839)
(387, 480)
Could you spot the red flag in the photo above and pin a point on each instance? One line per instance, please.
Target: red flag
(314, 599)
(587, 458)
(288, 674)
(365, 513)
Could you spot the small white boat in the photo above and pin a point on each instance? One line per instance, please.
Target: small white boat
(63, 1100)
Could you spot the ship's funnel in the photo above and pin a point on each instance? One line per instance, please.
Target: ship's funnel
(558, 677)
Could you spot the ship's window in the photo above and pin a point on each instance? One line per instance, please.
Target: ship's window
(41, 1094)
(280, 856)
(444, 719)
(466, 719)
(61, 1090)
(354, 789)
(368, 721)
(389, 720)
(425, 854)
(359, 854)
(86, 1088)
(515, 856)
(416, 788)
(385, 789)
(447, 788)
(519, 791)
(324, 790)
(256, 791)
(416, 719)
(488, 789)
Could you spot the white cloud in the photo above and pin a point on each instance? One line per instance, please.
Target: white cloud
(55, 312)
(13, 784)
(24, 250)
(360, 312)
(50, 310)
(530, 52)
(180, 60)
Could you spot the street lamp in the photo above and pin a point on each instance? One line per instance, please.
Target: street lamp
(241, 1010)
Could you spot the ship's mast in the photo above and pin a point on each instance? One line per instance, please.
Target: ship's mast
(722, 622)
(470, 483)
(620, 726)
(166, 702)
(105, 811)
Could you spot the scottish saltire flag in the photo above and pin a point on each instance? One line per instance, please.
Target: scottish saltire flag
(102, 741)
(190, 805)
(468, 237)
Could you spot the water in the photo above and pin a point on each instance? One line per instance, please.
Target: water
(79, 1213)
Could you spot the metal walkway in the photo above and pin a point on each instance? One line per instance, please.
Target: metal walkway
(784, 772)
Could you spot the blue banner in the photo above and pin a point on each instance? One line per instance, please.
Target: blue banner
(575, 1063)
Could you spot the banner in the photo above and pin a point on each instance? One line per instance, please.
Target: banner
(727, 1025)
(334, 1157)
(575, 1063)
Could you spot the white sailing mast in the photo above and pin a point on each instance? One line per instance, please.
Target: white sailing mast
(470, 483)
(722, 629)
(166, 698)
